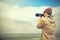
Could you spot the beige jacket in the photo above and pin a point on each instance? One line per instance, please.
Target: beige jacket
(47, 24)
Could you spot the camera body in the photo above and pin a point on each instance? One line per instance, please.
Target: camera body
(38, 14)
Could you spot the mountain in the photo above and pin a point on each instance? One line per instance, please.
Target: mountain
(9, 25)
(57, 17)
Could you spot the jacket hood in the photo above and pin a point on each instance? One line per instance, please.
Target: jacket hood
(51, 19)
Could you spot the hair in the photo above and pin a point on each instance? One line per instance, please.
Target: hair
(49, 11)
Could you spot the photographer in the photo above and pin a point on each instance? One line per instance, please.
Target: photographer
(47, 24)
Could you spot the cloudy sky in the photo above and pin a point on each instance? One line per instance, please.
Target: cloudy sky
(25, 10)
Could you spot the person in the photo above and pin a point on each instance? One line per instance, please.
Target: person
(47, 24)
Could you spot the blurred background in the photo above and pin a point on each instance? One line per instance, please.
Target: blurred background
(18, 20)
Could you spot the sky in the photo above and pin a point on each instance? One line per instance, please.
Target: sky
(36, 3)
(25, 10)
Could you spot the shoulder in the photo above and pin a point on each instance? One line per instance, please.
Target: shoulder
(42, 19)
(45, 20)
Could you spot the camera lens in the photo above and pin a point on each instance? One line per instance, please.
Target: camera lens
(37, 15)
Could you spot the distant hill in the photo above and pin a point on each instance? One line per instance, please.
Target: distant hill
(9, 25)
(57, 17)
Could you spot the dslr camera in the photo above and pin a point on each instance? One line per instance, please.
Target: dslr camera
(39, 14)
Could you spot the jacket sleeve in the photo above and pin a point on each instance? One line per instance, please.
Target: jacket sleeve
(40, 24)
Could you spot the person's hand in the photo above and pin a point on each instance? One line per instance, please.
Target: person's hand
(40, 17)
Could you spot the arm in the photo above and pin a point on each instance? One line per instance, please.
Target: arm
(40, 23)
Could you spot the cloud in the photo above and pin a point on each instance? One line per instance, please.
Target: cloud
(14, 2)
(17, 12)
(9, 1)
(25, 13)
